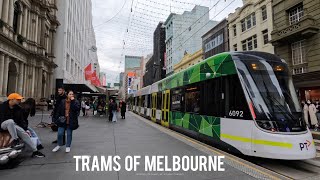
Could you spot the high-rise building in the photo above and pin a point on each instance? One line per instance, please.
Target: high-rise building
(27, 33)
(132, 61)
(250, 26)
(216, 40)
(75, 45)
(296, 38)
(183, 34)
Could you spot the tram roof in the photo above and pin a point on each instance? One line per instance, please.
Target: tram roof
(213, 65)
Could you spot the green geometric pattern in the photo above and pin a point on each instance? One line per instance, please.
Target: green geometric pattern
(215, 66)
(207, 125)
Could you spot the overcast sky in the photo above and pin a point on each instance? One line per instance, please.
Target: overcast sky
(115, 25)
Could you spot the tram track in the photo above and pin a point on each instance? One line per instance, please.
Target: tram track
(293, 169)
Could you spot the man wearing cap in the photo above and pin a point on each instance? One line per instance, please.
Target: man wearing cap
(10, 118)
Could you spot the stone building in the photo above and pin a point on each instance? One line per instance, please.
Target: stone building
(27, 29)
(250, 26)
(296, 38)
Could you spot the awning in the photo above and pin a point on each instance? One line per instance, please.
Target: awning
(102, 90)
(79, 88)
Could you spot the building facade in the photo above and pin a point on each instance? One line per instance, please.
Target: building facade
(148, 77)
(27, 33)
(75, 43)
(132, 61)
(250, 26)
(189, 60)
(155, 66)
(296, 37)
(216, 40)
(183, 34)
(159, 48)
(132, 80)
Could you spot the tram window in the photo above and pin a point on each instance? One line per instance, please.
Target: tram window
(212, 97)
(192, 99)
(236, 106)
(159, 101)
(149, 101)
(176, 100)
(142, 101)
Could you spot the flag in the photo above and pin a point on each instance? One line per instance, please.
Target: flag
(88, 72)
(95, 80)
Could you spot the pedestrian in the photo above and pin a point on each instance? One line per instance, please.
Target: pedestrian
(11, 119)
(29, 108)
(67, 119)
(318, 110)
(110, 109)
(83, 107)
(61, 96)
(87, 107)
(123, 109)
(310, 114)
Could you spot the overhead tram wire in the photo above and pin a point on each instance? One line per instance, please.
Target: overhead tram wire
(165, 5)
(203, 26)
(197, 20)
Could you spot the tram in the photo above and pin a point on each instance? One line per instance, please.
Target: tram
(244, 102)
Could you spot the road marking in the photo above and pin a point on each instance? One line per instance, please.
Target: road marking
(249, 165)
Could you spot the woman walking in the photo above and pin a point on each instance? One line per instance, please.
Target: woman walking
(114, 110)
(123, 109)
(67, 119)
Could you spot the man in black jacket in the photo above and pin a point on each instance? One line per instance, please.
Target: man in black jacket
(61, 96)
(11, 119)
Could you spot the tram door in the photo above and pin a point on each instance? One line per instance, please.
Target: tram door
(165, 108)
(153, 107)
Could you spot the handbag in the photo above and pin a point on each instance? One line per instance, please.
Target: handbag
(61, 120)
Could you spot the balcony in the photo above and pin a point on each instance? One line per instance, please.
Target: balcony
(305, 28)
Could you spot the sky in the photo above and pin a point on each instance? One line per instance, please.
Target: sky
(125, 27)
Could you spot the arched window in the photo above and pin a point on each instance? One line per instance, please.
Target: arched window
(16, 16)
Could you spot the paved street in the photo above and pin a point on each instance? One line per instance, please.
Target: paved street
(98, 137)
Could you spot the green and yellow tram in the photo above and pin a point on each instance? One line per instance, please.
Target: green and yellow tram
(242, 101)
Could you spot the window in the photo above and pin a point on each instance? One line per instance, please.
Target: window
(243, 25)
(298, 52)
(299, 70)
(264, 13)
(192, 98)
(248, 22)
(235, 30)
(295, 14)
(149, 101)
(265, 36)
(68, 63)
(212, 97)
(159, 100)
(250, 43)
(244, 46)
(235, 47)
(176, 100)
(235, 101)
(15, 16)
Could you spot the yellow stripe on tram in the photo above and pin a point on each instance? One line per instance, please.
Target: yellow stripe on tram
(257, 141)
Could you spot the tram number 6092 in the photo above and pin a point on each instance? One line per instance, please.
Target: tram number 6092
(233, 113)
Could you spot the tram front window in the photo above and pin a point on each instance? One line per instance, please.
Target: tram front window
(272, 95)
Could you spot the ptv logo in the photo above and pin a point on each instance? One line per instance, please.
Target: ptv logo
(305, 145)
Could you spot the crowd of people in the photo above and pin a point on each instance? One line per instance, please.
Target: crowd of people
(14, 116)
